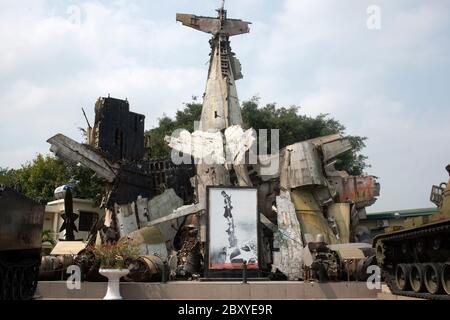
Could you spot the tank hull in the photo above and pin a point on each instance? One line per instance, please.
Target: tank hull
(415, 261)
(21, 221)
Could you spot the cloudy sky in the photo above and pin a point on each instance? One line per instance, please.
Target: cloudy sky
(390, 84)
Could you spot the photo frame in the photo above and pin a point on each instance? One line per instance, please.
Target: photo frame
(233, 233)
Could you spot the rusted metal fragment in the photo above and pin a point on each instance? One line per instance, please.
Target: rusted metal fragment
(323, 195)
(74, 152)
(268, 167)
(142, 211)
(301, 166)
(150, 241)
(325, 139)
(331, 146)
(333, 149)
(146, 269)
(205, 24)
(117, 132)
(350, 251)
(242, 175)
(263, 219)
(310, 215)
(178, 213)
(323, 263)
(167, 175)
(53, 268)
(236, 27)
(237, 69)
(360, 190)
(230, 27)
(163, 206)
(289, 260)
(340, 212)
(355, 259)
(189, 256)
(126, 219)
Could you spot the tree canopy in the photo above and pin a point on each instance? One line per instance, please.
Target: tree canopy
(40, 177)
(294, 127)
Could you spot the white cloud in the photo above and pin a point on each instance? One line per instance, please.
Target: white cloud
(52, 68)
(320, 55)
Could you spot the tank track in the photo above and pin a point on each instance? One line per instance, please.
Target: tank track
(18, 281)
(390, 281)
(389, 274)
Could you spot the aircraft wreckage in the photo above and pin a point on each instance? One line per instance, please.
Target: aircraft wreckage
(308, 211)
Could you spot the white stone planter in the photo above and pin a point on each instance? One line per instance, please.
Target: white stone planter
(113, 276)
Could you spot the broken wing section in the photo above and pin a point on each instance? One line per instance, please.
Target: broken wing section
(301, 166)
(205, 24)
(235, 27)
(74, 152)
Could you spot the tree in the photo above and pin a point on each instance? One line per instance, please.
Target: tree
(7, 177)
(184, 119)
(293, 126)
(40, 177)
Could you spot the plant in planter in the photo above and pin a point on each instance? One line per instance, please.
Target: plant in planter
(114, 260)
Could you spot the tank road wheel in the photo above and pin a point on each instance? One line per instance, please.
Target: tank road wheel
(445, 277)
(416, 277)
(402, 276)
(380, 252)
(432, 277)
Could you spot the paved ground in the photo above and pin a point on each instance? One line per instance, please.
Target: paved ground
(214, 290)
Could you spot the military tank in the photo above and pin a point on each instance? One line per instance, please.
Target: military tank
(415, 261)
(21, 221)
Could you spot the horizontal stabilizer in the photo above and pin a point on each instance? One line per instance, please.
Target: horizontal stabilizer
(213, 26)
(205, 24)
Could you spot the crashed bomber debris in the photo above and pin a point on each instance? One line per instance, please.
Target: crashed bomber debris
(306, 207)
(115, 152)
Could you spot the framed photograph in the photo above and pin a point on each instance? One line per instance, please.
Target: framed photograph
(233, 232)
